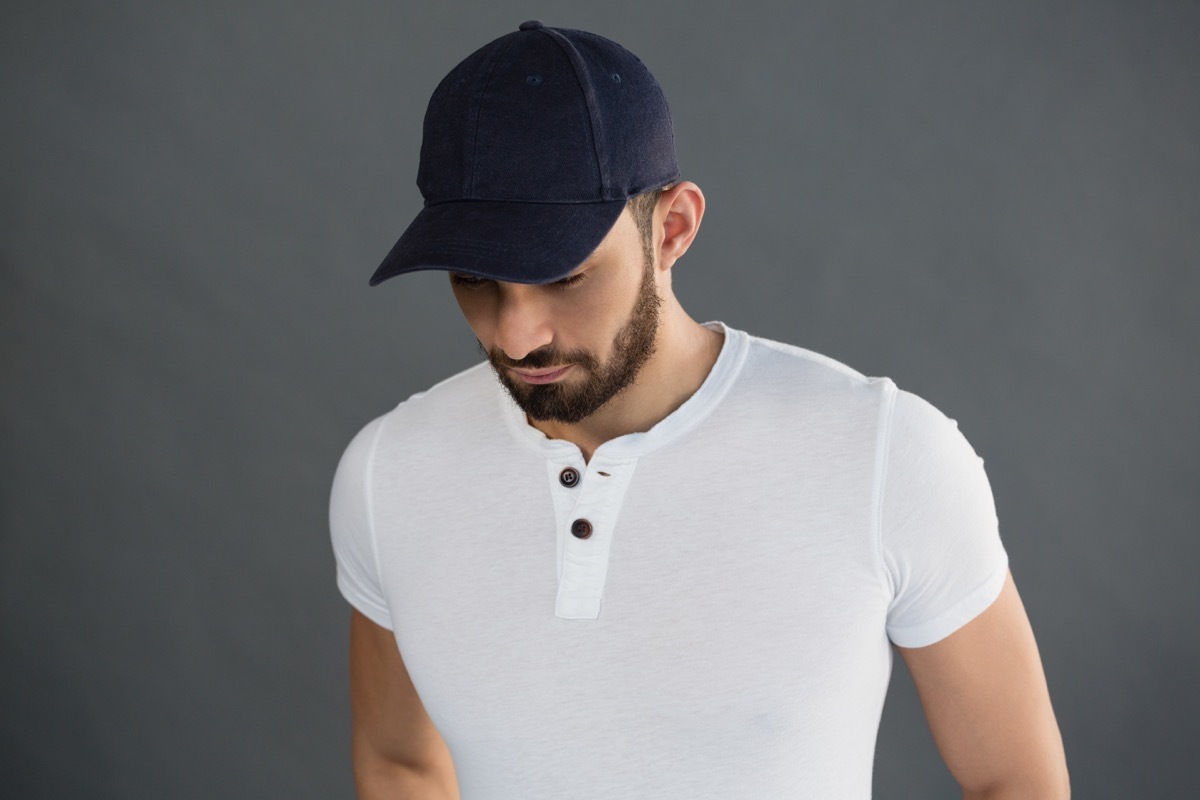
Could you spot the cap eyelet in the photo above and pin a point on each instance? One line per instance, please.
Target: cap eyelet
(616, 78)
(533, 80)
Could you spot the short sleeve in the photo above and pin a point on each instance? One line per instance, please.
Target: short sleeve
(351, 527)
(939, 534)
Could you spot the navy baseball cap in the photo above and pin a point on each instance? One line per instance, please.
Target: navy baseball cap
(531, 148)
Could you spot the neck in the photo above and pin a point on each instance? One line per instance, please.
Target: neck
(684, 354)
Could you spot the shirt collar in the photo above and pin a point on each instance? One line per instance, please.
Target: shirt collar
(633, 445)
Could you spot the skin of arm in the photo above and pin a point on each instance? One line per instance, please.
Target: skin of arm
(396, 751)
(985, 696)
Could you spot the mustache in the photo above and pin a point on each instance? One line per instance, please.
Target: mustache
(539, 359)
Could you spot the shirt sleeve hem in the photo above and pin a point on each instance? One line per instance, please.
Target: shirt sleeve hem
(369, 608)
(965, 610)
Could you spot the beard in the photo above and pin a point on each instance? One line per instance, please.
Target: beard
(570, 403)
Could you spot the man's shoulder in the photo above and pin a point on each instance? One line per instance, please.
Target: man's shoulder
(793, 377)
(793, 369)
(470, 385)
(450, 404)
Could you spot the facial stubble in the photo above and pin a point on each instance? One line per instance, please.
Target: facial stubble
(632, 347)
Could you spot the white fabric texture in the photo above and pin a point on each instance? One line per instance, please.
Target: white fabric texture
(724, 630)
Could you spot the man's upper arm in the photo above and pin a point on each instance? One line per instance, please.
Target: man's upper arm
(985, 696)
(391, 729)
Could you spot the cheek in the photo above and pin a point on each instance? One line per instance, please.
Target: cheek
(474, 308)
(591, 319)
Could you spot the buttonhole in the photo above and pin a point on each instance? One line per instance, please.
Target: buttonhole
(605, 474)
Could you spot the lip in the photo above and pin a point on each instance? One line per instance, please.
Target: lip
(541, 375)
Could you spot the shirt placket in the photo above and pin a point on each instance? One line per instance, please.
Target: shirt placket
(587, 504)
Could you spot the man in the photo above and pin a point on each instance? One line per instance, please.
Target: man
(633, 556)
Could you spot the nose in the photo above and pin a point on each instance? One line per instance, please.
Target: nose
(523, 320)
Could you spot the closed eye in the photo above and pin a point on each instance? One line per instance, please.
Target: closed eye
(570, 280)
(474, 282)
(467, 281)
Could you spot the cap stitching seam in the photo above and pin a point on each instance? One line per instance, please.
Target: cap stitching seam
(576, 62)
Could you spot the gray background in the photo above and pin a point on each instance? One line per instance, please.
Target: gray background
(995, 204)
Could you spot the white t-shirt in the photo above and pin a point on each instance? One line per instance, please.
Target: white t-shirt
(723, 629)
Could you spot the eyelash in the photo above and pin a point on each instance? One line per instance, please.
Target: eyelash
(569, 281)
(472, 282)
(466, 281)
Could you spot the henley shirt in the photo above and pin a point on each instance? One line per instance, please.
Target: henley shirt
(702, 610)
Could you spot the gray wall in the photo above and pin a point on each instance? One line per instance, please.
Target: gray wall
(996, 204)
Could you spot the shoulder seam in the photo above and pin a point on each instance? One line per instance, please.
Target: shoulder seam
(369, 480)
(882, 446)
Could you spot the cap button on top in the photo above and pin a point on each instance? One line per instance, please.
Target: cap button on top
(569, 477)
(531, 25)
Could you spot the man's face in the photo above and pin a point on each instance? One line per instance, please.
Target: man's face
(564, 349)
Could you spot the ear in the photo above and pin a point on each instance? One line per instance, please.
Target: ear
(678, 216)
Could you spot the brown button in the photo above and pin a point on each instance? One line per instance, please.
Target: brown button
(581, 529)
(569, 477)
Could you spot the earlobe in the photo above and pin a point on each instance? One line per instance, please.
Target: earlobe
(682, 207)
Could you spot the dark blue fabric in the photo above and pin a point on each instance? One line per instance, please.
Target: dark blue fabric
(531, 146)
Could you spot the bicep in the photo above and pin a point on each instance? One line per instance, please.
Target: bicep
(390, 724)
(985, 697)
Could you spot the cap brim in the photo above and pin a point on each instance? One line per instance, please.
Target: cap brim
(504, 241)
